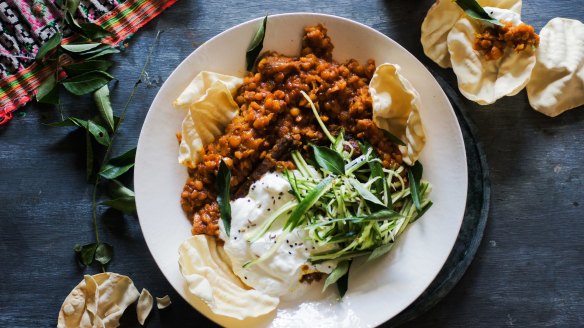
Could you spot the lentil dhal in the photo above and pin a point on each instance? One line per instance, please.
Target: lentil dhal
(274, 118)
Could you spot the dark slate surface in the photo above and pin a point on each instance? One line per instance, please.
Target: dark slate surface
(528, 269)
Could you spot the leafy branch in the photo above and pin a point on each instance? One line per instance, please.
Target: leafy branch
(80, 68)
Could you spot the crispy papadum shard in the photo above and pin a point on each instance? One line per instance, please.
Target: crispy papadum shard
(199, 85)
(479, 79)
(396, 108)
(207, 271)
(209, 103)
(97, 301)
(557, 80)
(440, 19)
(163, 302)
(144, 305)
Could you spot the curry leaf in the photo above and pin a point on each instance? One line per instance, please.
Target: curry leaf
(393, 138)
(365, 193)
(72, 5)
(119, 165)
(116, 189)
(380, 185)
(98, 132)
(80, 48)
(48, 92)
(104, 253)
(474, 10)
(343, 282)
(94, 31)
(86, 82)
(86, 253)
(126, 204)
(223, 184)
(87, 66)
(414, 177)
(256, 45)
(102, 52)
(72, 23)
(379, 251)
(51, 44)
(341, 270)
(329, 160)
(102, 100)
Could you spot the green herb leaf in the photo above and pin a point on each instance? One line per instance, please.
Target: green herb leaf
(104, 253)
(256, 45)
(86, 253)
(72, 23)
(474, 10)
(423, 211)
(80, 48)
(86, 82)
(341, 270)
(102, 51)
(393, 138)
(87, 66)
(51, 44)
(223, 184)
(307, 202)
(97, 131)
(89, 163)
(329, 159)
(379, 251)
(365, 193)
(126, 205)
(94, 31)
(119, 165)
(414, 177)
(380, 184)
(102, 100)
(343, 282)
(116, 189)
(48, 92)
(72, 5)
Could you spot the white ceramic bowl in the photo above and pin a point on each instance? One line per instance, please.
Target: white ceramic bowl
(378, 290)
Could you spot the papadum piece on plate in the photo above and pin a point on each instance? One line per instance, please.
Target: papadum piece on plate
(557, 80)
(208, 101)
(440, 19)
(396, 108)
(208, 275)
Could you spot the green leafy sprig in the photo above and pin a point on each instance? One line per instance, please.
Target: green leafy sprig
(474, 10)
(257, 43)
(80, 68)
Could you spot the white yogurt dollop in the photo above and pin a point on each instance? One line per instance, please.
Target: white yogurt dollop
(278, 275)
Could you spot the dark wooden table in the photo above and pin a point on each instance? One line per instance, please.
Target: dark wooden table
(528, 272)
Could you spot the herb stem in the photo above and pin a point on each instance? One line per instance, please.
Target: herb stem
(109, 147)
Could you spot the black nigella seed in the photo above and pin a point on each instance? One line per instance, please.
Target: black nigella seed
(306, 249)
(269, 209)
(279, 197)
(281, 193)
(249, 200)
(287, 242)
(290, 253)
(245, 277)
(291, 246)
(235, 238)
